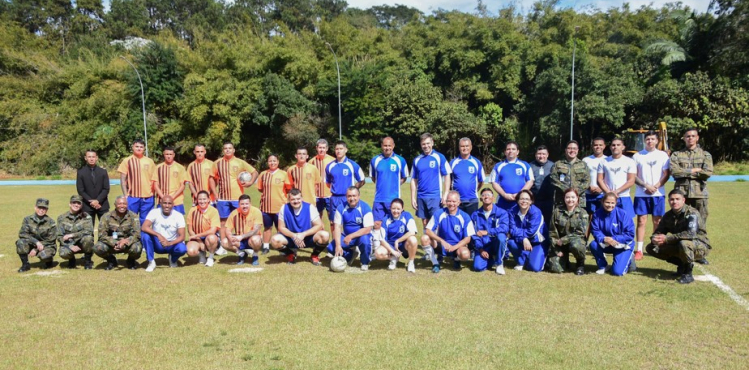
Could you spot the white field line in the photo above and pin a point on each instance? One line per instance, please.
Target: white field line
(722, 286)
(246, 269)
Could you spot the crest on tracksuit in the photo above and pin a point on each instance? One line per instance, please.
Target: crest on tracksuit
(345, 172)
(456, 228)
(393, 167)
(471, 170)
(402, 229)
(358, 220)
(519, 171)
(432, 164)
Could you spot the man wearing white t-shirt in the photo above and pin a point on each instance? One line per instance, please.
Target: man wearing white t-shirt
(164, 232)
(593, 194)
(650, 194)
(616, 174)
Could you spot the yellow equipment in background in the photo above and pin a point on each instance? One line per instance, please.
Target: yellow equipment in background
(634, 139)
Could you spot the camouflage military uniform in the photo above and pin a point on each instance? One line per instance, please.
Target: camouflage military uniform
(566, 174)
(37, 229)
(570, 228)
(686, 238)
(82, 228)
(693, 185)
(112, 225)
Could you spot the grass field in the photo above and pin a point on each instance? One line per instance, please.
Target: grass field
(305, 317)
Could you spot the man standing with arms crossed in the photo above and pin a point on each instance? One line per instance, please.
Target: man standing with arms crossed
(170, 179)
(467, 177)
(226, 171)
(388, 171)
(92, 184)
(691, 167)
(510, 176)
(616, 174)
(430, 182)
(570, 172)
(650, 192)
(136, 175)
(321, 161)
(339, 176)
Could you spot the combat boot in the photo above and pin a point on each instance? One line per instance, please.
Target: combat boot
(25, 266)
(71, 262)
(580, 268)
(687, 277)
(48, 265)
(87, 263)
(131, 263)
(111, 263)
(679, 266)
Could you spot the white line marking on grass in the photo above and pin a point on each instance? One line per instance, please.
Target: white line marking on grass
(247, 270)
(2, 255)
(53, 273)
(722, 286)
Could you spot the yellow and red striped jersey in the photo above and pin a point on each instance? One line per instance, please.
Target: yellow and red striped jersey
(199, 174)
(273, 186)
(199, 221)
(168, 178)
(226, 173)
(140, 173)
(240, 224)
(305, 178)
(320, 163)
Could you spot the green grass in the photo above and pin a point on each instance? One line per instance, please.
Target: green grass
(302, 317)
(731, 168)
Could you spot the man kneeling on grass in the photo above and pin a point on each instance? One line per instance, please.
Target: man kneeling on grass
(299, 226)
(242, 231)
(680, 237)
(164, 232)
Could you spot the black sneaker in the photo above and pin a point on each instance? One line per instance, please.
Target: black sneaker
(580, 271)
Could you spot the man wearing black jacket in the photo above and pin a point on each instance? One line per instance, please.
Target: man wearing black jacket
(93, 185)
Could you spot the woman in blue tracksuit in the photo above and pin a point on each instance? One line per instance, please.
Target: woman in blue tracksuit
(613, 232)
(527, 240)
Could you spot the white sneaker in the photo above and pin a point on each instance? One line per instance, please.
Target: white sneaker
(209, 262)
(365, 267)
(518, 268)
(500, 270)
(173, 264)
(220, 251)
(329, 255)
(393, 264)
(151, 266)
(411, 267)
(601, 271)
(201, 257)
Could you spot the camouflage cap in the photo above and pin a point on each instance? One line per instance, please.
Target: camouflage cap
(76, 199)
(42, 203)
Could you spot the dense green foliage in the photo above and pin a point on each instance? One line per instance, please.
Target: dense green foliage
(261, 73)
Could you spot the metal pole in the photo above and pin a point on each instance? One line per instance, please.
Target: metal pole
(572, 99)
(338, 70)
(143, 102)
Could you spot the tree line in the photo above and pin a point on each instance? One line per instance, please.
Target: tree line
(262, 74)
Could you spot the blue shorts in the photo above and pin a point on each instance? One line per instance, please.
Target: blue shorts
(626, 204)
(244, 244)
(308, 242)
(592, 202)
(655, 206)
(225, 207)
(380, 211)
(427, 207)
(335, 201)
(270, 219)
(322, 205)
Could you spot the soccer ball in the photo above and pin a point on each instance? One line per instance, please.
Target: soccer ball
(338, 264)
(244, 177)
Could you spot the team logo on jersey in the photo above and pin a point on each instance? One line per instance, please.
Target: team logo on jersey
(175, 174)
(615, 224)
(308, 176)
(432, 164)
(278, 181)
(345, 172)
(402, 229)
(234, 169)
(615, 170)
(358, 220)
(471, 170)
(456, 228)
(519, 171)
(393, 167)
(652, 163)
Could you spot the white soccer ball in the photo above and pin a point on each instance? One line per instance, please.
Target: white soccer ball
(244, 177)
(338, 264)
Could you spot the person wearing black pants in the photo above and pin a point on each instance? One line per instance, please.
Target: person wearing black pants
(93, 186)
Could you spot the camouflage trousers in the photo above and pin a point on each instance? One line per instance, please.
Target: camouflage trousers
(24, 246)
(86, 244)
(687, 251)
(576, 247)
(105, 250)
(700, 204)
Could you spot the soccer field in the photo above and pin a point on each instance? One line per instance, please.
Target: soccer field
(306, 317)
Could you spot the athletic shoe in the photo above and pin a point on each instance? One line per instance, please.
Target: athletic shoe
(329, 255)
(209, 262)
(290, 259)
(365, 267)
(393, 263)
(435, 269)
(316, 260)
(411, 268)
(518, 268)
(603, 270)
(265, 250)
(255, 261)
(220, 251)
(632, 266)
(500, 270)
(242, 257)
(151, 266)
(580, 271)
(174, 263)
(201, 257)
(638, 255)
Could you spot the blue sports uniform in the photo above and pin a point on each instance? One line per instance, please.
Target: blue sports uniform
(532, 227)
(396, 228)
(618, 225)
(511, 177)
(299, 222)
(467, 174)
(428, 170)
(341, 175)
(497, 223)
(387, 173)
(451, 228)
(351, 221)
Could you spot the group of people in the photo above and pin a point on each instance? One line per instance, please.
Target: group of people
(543, 212)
